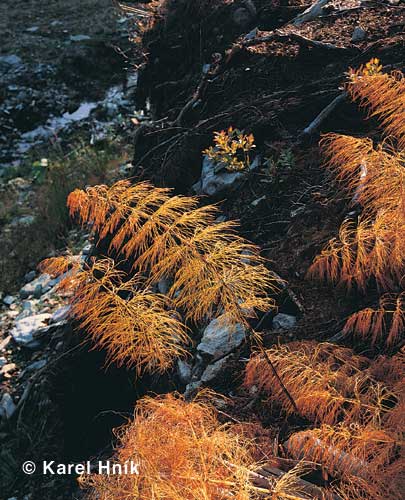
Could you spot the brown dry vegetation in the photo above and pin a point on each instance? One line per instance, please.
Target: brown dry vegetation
(337, 408)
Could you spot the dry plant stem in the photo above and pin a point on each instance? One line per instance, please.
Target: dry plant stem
(275, 373)
(325, 113)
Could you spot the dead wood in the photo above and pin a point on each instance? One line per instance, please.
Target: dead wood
(314, 11)
(313, 127)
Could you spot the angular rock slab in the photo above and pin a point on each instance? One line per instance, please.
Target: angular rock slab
(215, 179)
(25, 328)
(220, 338)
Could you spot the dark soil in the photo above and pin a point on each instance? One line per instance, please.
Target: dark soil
(273, 90)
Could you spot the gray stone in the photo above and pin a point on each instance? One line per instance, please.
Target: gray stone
(32, 29)
(37, 365)
(60, 314)
(7, 406)
(220, 338)
(25, 328)
(30, 276)
(252, 34)
(164, 285)
(215, 179)
(24, 220)
(11, 60)
(53, 329)
(37, 287)
(79, 38)
(359, 34)
(184, 371)
(8, 300)
(27, 309)
(215, 369)
(242, 17)
(192, 389)
(284, 321)
(87, 249)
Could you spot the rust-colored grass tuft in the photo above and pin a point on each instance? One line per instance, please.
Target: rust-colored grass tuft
(183, 452)
(325, 381)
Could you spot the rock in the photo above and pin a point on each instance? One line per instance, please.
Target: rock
(37, 287)
(46, 331)
(30, 276)
(32, 29)
(252, 34)
(192, 389)
(8, 368)
(7, 406)
(4, 343)
(8, 300)
(284, 321)
(28, 309)
(19, 184)
(164, 285)
(220, 338)
(11, 60)
(87, 249)
(215, 369)
(25, 220)
(79, 38)
(60, 314)
(38, 291)
(37, 365)
(3, 361)
(215, 180)
(183, 371)
(242, 17)
(359, 34)
(25, 328)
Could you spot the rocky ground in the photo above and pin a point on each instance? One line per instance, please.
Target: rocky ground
(65, 119)
(210, 65)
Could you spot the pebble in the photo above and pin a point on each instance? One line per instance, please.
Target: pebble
(79, 38)
(30, 276)
(284, 321)
(8, 300)
(359, 34)
(11, 60)
(7, 406)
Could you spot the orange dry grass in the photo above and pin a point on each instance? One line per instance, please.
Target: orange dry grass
(135, 326)
(388, 320)
(184, 454)
(324, 380)
(373, 248)
(383, 94)
(364, 458)
(212, 268)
